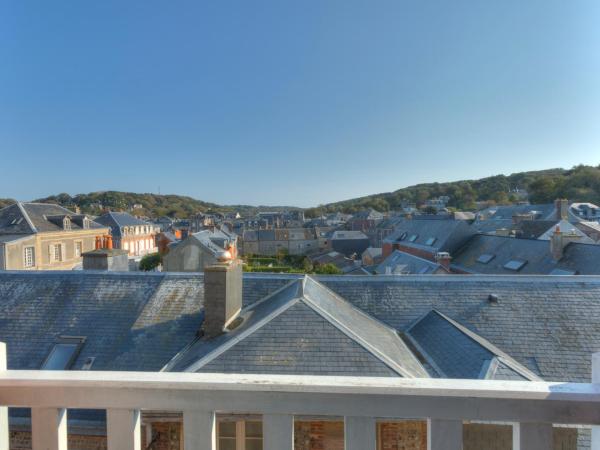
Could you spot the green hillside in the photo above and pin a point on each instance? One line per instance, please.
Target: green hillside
(581, 183)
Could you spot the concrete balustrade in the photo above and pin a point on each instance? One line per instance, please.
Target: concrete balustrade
(532, 406)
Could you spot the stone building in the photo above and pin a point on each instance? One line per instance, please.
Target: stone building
(41, 236)
(130, 233)
(198, 251)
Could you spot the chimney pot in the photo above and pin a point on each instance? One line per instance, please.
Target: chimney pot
(443, 259)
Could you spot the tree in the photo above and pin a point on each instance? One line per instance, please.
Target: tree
(327, 269)
(150, 262)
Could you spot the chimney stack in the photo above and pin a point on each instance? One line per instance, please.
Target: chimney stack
(222, 294)
(562, 208)
(113, 260)
(557, 244)
(443, 259)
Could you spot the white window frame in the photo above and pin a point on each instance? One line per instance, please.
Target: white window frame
(240, 434)
(25, 258)
(55, 247)
(75, 252)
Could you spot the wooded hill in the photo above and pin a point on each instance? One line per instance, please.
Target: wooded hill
(153, 205)
(581, 183)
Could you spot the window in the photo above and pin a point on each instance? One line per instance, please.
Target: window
(515, 265)
(239, 434)
(56, 252)
(562, 272)
(485, 258)
(66, 224)
(86, 223)
(64, 353)
(402, 236)
(413, 237)
(78, 249)
(29, 256)
(430, 241)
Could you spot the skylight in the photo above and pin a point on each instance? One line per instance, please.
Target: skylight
(413, 237)
(424, 270)
(515, 265)
(430, 241)
(562, 272)
(63, 353)
(485, 258)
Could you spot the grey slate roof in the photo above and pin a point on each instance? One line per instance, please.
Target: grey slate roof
(30, 218)
(345, 234)
(580, 259)
(139, 321)
(545, 211)
(116, 220)
(402, 263)
(449, 235)
(457, 353)
(304, 328)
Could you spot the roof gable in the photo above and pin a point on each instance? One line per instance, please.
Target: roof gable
(456, 352)
(280, 335)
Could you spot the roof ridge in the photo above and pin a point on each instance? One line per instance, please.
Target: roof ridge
(26, 216)
(357, 337)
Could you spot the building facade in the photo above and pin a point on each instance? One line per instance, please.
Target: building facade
(39, 236)
(130, 233)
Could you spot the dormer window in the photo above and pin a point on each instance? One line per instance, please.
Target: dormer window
(66, 224)
(86, 223)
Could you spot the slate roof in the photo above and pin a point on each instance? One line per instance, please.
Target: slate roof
(455, 352)
(346, 235)
(304, 329)
(30, 218)
(139, 321)
(546, 211)
(449, 235)
(402, 263)
(580, 259)
(533, 229)
(117, 220)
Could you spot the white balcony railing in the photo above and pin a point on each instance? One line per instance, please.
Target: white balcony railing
(532, 406)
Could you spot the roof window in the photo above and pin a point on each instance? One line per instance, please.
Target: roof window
(63, 354)
(413, 237)
(485, 258)
(515, 265)
(562, 272)
(430, 241)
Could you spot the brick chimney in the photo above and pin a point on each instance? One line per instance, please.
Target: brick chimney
(443, 259)
(222, 294)
(562, 208)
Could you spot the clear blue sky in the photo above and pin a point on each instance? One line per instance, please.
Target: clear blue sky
(292, 102)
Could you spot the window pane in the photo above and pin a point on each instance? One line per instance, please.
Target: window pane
(254, 444)
(227, 429)
(253, 429)
(59, 357)
(226, 444)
